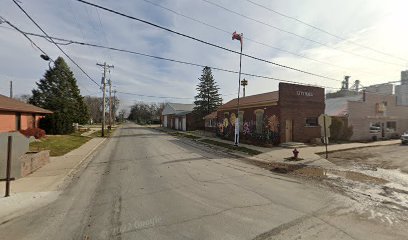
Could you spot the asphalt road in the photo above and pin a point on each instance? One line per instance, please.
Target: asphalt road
(144, 184)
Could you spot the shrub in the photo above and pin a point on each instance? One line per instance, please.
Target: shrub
(35, 132)
(339, 129)
(56, 123)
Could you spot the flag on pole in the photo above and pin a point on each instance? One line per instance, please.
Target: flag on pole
(237, 36)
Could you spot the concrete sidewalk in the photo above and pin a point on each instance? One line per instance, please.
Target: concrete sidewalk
(44, 185)
(310, 155)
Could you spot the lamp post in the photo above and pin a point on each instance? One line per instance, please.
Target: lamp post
(236, 36)
(244, 83)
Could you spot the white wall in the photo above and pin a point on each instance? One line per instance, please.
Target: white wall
(184, 126)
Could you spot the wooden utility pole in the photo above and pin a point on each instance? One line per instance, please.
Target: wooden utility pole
(110, 105)
(105, 67)
(114, 104)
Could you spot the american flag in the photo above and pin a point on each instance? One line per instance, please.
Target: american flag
(237, 36)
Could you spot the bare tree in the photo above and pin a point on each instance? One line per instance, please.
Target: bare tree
(23, 97)
(142, 113)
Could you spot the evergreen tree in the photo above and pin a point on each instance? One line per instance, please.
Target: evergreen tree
(58, 91)
(208, 99)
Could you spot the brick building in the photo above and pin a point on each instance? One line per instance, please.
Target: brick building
(287, 115)
(16, 115)
(373, 115)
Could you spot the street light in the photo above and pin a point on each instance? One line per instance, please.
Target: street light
(236, 36)
(45, 57)
(244, 83)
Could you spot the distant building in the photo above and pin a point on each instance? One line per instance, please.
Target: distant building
(404, 77)
(16, 115)
(372, 115)
(401, 91)
(178, 116)
(384, 88)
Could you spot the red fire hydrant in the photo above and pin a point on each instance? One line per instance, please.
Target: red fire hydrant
(295, 153)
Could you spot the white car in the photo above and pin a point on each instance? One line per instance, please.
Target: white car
(404, 138)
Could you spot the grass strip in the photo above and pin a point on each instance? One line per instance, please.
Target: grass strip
(58, 144)
(231, 147)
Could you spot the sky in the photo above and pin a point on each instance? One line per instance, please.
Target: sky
(369, 44)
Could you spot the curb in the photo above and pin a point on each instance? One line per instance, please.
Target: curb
(354, 148)
(85, 157)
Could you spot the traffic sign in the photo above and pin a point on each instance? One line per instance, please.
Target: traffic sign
(325, 121)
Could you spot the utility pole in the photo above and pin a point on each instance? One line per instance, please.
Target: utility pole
(114, 103)
(105, 67)
(236, 36)
(110, 105)
(11, 89)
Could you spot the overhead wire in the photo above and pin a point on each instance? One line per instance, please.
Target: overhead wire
(172, 60)
(325, 31)
(188, 63)
(2, 19)
(231, 71)
(253, 40)
(202, 41)
(295, 34)
(38, 26)
(13, 27)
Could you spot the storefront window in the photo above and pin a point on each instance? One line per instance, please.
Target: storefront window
(391, 126)
(259, 120)
(311, 122)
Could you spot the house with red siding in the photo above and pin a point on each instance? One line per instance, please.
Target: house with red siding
(16, 115)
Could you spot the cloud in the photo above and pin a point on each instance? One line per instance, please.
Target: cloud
(375, 23)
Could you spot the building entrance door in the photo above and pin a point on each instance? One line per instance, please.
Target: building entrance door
(289, 130)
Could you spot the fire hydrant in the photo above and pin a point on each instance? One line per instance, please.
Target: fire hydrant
(295, 153)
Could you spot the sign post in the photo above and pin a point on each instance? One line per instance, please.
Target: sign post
(8, 166)
(325, 122)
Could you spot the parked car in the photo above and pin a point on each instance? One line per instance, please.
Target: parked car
(404, 138)
(375, 129)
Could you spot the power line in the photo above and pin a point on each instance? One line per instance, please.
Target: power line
(324, 31)
(13, 27)
(151, 96)
(2, 19)
(172, 60)
(294, 34)
(253, 40)
(202, 41)
(185, 63)
(38, 26)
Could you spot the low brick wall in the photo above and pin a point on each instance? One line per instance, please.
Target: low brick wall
(32, 161)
